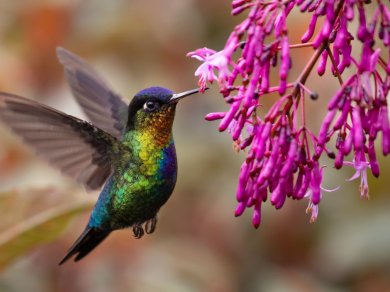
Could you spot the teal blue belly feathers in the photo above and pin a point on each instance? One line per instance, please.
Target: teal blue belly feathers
(127, 150)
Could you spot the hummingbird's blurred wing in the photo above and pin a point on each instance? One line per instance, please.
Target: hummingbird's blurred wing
(76, 147)
(105, 108)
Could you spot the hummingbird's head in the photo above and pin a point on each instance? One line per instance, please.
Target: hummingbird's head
(153, 109)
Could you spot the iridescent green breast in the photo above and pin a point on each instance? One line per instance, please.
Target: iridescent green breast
(145, 184)
(140, 185)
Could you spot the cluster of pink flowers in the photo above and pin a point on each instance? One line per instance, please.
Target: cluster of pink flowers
(283, 154)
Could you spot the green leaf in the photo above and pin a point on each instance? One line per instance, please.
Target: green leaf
(36, 230)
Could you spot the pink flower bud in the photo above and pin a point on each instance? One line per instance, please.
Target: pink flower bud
(323, 135)
(322, 63)
(341, 121)
(239, 125)
(238, 3)
(240, 209)
(357, 129)
(243, 180)
(305, 184)
(385, 130)
(265, 77)
(278, 196)
(348, 144)
(249, 94)
(285, 57)
(292, 153)
(362, 30)
(269, 167)
(229, 116)
(280, 23)
(214, 116)
(340, 94)
(373, 161)
(315, 184)
(338, 163)
(310, 30)
(256, 217)
(298, 183)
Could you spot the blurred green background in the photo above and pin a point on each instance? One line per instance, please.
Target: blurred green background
(198, 244)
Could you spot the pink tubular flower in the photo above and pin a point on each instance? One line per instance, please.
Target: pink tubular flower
(360, 164)
(283, 155)
(314, 194)
(313, 209)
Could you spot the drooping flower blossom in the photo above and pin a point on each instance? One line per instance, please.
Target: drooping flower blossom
(212, 61)
(283, 154)
(314, 194)
(361, 165)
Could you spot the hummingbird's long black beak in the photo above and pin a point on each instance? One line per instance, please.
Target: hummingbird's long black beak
(177, 96)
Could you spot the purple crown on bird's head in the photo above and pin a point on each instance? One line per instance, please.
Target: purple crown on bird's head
(159, 93)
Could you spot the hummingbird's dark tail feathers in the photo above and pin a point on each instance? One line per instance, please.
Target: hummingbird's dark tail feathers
(87, 241)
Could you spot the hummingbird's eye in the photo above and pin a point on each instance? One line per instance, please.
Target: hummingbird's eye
(151, 106)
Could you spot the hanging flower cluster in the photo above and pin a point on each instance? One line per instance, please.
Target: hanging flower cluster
(283, 154)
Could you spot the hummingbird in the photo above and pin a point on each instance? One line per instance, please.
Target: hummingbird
(126, 151)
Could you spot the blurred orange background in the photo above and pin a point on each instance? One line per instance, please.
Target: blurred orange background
(198, 244)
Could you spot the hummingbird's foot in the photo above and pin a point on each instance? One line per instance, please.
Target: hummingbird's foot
(138, 230)
(150, 225)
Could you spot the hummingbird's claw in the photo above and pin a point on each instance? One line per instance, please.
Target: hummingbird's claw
(138, 230)
(150, 225)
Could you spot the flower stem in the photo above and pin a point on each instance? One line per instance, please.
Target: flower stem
(307, 70)
(297, 46)
(334, 65)
(382, 63)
